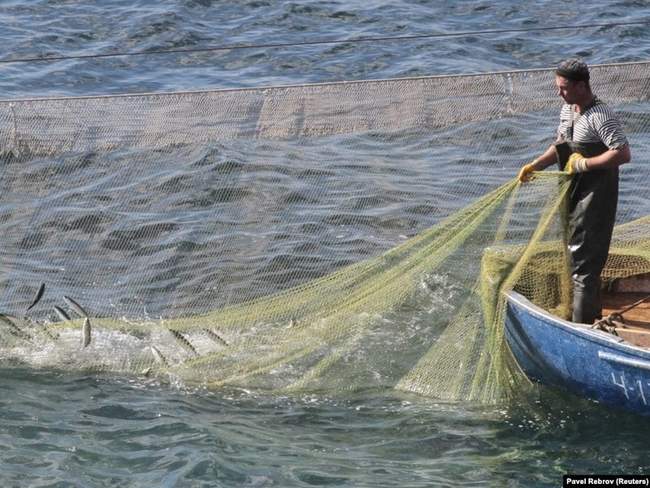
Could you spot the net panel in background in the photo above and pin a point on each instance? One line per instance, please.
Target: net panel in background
(328, 237)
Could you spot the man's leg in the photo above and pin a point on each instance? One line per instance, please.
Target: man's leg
(587, 303)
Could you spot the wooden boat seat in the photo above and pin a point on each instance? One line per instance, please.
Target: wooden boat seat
(620, 294)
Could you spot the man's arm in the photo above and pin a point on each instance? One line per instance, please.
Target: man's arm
(546, 159)
(538, 164)
(610, 159)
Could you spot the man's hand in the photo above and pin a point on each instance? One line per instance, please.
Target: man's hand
(526, 173)
(577, 163)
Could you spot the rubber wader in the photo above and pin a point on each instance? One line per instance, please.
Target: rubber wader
(590, 216)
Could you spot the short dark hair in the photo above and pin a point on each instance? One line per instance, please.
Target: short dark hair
(573, 69)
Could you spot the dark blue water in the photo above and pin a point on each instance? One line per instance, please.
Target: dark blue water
(72, 430)
(59, 28)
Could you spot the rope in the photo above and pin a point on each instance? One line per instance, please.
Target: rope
(634, 305)
(320, 42)
(608, 323)
(377, 81)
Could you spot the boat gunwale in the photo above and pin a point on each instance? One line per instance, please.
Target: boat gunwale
(583, 331)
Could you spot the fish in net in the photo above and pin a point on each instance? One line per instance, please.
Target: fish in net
(332, 238)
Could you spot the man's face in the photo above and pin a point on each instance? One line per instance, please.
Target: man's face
(570, 91)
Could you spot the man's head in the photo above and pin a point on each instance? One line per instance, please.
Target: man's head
(572, 81)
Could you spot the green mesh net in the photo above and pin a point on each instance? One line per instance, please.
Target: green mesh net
(331, 237)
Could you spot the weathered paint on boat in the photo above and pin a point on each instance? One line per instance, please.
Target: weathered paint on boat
(587, 362)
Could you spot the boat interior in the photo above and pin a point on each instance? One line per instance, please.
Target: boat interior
(626, 309)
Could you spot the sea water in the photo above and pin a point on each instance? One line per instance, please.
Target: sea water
(70, 429)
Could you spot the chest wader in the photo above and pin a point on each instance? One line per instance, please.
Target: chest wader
(590, 216)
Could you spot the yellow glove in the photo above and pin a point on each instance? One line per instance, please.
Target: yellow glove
(577, 163)
(526, 173)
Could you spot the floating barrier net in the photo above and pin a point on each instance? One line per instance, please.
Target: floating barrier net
(330, 237)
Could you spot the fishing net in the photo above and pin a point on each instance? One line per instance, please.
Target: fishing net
(330, 237)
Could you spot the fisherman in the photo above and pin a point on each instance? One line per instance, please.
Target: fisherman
(590, 146)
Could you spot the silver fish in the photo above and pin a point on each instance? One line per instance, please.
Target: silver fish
(85, 333)
(183, 342)
(14, 329)
(215, 337)
(158, 356)
(37, 298)
(63, 315)
(75, 306)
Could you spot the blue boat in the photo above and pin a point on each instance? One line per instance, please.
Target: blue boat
(611, 367)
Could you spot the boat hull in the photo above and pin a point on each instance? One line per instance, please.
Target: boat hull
(586, 362)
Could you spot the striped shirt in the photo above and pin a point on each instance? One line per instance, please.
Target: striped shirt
(598, 123)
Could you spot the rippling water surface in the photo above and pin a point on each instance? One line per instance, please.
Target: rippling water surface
(64, 430)
(70, 430)
(51, 28)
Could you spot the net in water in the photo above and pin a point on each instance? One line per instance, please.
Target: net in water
(331, 237)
